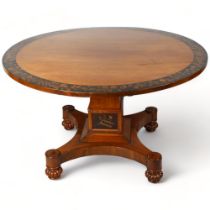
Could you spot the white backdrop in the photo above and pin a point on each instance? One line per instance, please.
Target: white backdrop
(30, 120)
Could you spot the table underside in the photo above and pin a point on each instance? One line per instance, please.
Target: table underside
(104, 130)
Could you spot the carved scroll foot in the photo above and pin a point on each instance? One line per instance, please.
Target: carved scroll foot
(152, 125)
(53, 170)
(154, 167)
(53, 173)
(153, 176)
(67, 122)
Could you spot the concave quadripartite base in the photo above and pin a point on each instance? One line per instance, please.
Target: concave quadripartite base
(105, 131)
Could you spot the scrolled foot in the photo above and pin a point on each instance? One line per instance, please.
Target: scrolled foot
(53, 159)
(154, 176)
(151, 127)
(154, 167)
(53, 173)
(68, 124)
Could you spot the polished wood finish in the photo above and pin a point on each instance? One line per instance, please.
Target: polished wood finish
(105, 64)
(83, 56)
(82, 62)
(122, 141)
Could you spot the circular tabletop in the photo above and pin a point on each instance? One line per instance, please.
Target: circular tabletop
(120, 61)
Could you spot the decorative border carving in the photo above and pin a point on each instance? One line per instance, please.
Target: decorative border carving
(15, 71)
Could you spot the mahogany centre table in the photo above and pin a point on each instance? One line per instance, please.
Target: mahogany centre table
(105, 64)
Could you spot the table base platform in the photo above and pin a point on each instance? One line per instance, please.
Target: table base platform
(104, 130)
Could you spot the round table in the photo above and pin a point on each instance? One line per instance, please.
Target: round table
(105, 64)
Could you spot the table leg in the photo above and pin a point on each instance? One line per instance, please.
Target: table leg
(105, 131)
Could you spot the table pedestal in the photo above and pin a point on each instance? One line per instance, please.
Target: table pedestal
(106, 131)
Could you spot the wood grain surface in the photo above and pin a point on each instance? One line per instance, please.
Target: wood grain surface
(122, 61)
